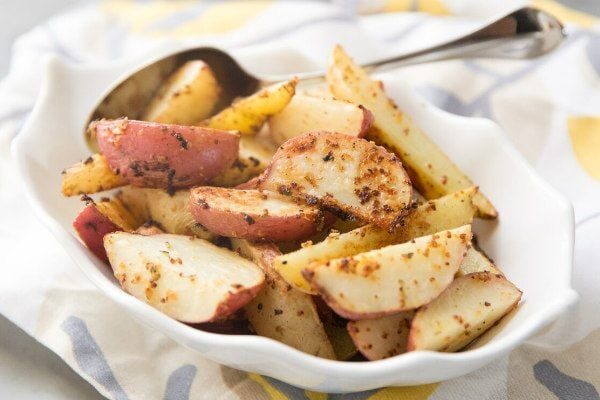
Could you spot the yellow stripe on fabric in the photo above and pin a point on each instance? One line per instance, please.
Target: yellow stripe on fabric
(315, 395)
(138, 16)
(566, 14)
(222, 17)
(273, 393)
(585, 139)
(421, 392)
(435, 7)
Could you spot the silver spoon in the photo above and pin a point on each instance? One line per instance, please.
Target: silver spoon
(524, 33)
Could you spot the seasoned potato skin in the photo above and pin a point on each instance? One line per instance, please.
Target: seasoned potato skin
(91, 226)
(165, 156)
(249, 214)
(341, 173)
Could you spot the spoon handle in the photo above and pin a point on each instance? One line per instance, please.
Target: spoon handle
(525, 33)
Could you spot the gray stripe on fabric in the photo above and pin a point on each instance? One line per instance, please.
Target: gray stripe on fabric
(418, 22)
(180, 383)
(480, 106)
(90, 358)
(291, 392)
(565, 387)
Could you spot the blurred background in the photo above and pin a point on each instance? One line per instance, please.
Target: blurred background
(17, 17)
(27, 369)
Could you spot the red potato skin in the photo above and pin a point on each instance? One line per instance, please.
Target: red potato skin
(252, 226)
(235, 224)
(154, 155)
(91, 226)
(367, 122)
(235, 301)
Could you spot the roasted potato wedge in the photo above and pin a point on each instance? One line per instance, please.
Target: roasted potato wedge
(99, 218)
(307, 114)
(247, 115)
(253, 214)
(281, 312)
(466, 309)
(170, 212)
(381, 337)
(343, 173)
(476, 261)
(392, 279)
(165, 156)
(92, 175)
(254, 157)
(187, 278)
(430, 170)
(189, 95)
(119, 213)
(447, 212)
(91, 225)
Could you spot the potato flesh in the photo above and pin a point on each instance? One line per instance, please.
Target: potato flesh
(466, 309)
(447, 212)
(341, 172)
(186, 278)
(92, 175)
(189, 95)
(280, 312)
(476, 261)
(247, 115)
(170, 212)
(307, 114)
(254, 156)
(431, 171)
(251, 202)
(381, 337)
(392, 279)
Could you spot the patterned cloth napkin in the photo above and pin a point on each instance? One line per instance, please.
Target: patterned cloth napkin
(548, 107)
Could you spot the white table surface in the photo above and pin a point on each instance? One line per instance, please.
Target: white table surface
(27, 369)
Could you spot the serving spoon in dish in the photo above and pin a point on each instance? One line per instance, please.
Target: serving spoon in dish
(524, 33)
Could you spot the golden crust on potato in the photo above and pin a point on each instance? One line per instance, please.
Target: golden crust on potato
(448, 212)
(170, 211)
(90, 176)
(247, 115)
(341, 173)
(430, 169)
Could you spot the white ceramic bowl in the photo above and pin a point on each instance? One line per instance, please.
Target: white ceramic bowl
(532, 241)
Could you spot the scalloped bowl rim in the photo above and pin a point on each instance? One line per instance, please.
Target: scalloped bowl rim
(349, 370)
